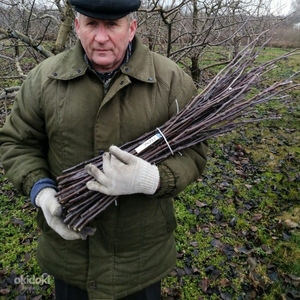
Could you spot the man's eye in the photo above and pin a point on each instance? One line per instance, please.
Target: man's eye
(111, 24)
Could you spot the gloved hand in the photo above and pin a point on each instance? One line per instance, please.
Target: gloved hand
(47, 201)
(123, 174)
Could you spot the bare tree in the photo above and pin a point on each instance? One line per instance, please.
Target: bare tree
(65, 27)
(184, 30)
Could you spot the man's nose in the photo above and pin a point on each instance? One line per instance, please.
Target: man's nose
(102, 34)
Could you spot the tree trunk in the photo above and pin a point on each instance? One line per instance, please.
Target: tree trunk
(195, 70)
(64, 29)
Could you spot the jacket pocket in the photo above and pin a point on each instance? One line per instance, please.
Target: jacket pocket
(142, 220)
(167, 208)
(159, 218)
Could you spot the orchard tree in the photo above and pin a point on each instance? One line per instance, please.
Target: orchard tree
(183, 30)
(189, 29)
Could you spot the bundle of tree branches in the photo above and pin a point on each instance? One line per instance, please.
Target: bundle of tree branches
(228, 102)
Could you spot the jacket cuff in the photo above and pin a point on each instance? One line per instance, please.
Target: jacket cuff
(32, 178)
(167, 181)
(40, 185)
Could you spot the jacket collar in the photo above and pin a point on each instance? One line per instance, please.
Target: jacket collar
(140, 66)
(71, 64)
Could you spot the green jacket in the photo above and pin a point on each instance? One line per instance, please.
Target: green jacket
(61, 117)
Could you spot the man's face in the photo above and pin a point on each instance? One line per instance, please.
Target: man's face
(105, 41)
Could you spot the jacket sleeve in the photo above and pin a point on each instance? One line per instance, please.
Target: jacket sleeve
(23, 140)
(181, 169)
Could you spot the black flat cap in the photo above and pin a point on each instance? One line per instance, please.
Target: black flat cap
(105, 9)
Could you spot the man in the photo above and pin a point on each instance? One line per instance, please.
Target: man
(107, 90)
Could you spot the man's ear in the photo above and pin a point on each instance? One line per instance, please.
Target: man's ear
(77, 27)
(132, 27)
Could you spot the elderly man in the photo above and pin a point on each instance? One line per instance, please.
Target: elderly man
(107, 90)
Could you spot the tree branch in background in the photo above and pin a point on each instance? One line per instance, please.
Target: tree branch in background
(9, 33)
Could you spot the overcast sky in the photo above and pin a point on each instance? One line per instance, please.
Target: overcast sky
(281, 6)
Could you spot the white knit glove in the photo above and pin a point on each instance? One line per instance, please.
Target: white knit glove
(123, 174)
(47, 201)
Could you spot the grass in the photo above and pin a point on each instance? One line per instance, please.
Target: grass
(238, 226)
